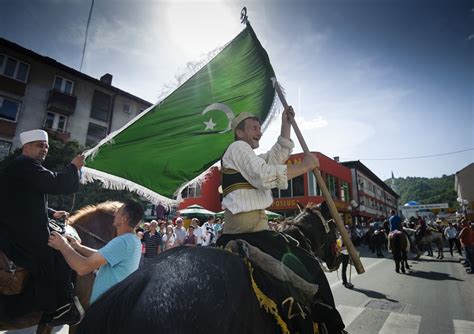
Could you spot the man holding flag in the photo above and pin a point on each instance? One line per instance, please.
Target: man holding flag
(247, 180)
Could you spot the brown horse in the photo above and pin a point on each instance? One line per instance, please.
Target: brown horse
(398, 245)
(94, 226)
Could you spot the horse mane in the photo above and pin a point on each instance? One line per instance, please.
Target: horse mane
(109, 207)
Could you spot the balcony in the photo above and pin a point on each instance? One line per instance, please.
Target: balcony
(12, 86)
(58, 134)
(61, 103)
(7, 128)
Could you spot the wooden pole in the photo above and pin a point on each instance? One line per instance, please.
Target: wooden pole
(327, 196)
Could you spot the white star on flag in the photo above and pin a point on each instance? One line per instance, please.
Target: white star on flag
(209, 125)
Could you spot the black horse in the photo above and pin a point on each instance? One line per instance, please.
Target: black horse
(209, 290)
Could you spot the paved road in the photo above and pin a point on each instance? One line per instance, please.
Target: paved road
(435, 297)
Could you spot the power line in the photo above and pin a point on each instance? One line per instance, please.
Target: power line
(87, 33)
(416, 157)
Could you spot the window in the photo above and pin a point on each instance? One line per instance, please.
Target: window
(332, 186)
(101, 106)
(313, 188)
(95, 133)
(193, 190)
(295, 188)
(9, 109)
(345, 191)
(5, 147)
(55, 121)
(298, 186)
(13, 68)
(63, 85)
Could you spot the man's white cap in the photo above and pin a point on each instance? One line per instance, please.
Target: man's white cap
(240, 118)
(33, 135)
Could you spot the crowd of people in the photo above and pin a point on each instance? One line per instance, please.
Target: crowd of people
(160, 235)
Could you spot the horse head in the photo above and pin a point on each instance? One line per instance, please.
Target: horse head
(320, 233)
(94, 223)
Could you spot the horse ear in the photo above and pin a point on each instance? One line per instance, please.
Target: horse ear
(300, 206)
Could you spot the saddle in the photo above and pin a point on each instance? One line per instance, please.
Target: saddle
(13, 278)
(281, 292)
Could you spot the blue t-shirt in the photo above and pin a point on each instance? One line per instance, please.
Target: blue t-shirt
(123, 257)
(395, 223)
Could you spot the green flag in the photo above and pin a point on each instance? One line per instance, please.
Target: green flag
(176, 140)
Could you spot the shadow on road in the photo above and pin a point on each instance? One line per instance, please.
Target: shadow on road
(374, 294)
(435, 260)
(433, 275)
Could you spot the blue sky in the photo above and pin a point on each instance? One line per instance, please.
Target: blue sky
(368, 79)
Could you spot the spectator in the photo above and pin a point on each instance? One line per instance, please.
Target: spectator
(190, 239)
(169, 239)
(116, 260)
(198, 231)
(345, 261)
(152, 240)
(162, 232)
(179, 231)
(451, 234)
(467, 241)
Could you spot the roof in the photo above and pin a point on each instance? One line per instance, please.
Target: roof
(360, 166)
(54, 63)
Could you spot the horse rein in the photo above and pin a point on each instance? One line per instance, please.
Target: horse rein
(89, 233)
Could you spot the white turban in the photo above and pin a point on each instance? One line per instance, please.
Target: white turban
(33, 135)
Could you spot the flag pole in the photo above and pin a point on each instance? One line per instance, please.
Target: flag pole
(327, 196)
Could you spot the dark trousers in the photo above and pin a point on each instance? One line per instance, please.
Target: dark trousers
(452, 242)
(52, 281)
(345, 262)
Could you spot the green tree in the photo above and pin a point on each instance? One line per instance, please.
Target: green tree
(426, 190)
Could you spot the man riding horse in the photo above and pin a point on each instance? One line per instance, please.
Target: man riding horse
(24, 228)
(247, 180)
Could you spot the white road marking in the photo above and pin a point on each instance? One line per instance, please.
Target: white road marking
(401, 323)
(463, 327)
(349, 313)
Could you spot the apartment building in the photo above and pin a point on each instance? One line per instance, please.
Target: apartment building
(373, 196)
(39, 92)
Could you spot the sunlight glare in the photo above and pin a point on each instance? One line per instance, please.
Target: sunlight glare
(198, 27)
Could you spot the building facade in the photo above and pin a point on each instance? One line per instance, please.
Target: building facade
(464, 186)
(38, 92)
(374, 197)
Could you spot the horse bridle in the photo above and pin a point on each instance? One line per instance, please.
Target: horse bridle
(89, 233)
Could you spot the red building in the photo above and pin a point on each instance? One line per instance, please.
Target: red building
(302, 189)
